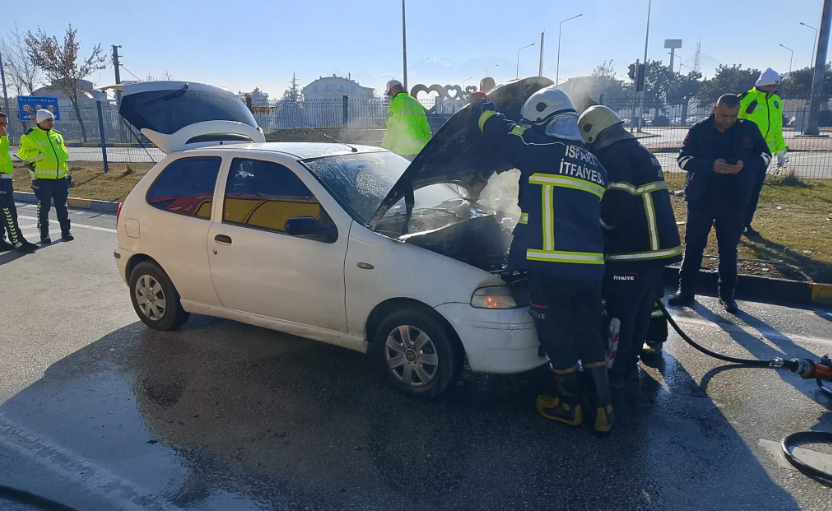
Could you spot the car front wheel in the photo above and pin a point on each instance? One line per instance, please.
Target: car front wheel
(155, 299)
(417, 353)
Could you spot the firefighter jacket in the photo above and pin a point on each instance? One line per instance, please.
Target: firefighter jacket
(6, 167)
(561, 186)
(408, 130)
(46, 150)
(767, 113)
(705, 144)
(636, 213)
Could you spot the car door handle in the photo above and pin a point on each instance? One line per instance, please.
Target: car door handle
(222, 238)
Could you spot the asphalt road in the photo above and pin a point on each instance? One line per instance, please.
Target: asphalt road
(99, 412)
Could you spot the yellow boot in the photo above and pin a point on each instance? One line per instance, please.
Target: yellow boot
(565, 407)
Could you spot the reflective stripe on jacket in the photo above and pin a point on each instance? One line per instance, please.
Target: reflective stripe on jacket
(6, 167)
(561, 186)
(767, 113)
(47, 151)
(408, 130)
(636, 211)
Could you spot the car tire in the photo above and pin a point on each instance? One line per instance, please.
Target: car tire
(418, 354)
(150, 285)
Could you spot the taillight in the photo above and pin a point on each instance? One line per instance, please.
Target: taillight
(118, 212)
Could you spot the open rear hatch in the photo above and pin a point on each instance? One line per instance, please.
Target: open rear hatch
(182, 115)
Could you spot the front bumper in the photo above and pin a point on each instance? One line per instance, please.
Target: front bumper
(122, 258)
(495, 341)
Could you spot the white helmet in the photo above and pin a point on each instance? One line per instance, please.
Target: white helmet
(391, 84)
(596, 119)
(544, 105)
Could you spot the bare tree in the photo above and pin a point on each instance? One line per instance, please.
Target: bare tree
(23, 74)
(166, 76)
(62, 64)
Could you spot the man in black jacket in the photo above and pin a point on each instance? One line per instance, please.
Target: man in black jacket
(640, 233)
(722, 156)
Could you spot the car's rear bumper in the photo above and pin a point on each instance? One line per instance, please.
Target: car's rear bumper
(496, 341)
(122, 258)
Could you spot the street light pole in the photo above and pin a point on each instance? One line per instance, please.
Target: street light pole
(815, 45)
(560, 30)
(465, 80)
(486, 68)
(646, 65)
(790, 58)
(819, 70)
(404, 47)
(517, 77)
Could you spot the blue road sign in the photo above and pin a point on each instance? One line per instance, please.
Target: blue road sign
(27, 107)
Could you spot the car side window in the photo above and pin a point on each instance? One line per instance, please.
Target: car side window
(264, 194)
(186, 187)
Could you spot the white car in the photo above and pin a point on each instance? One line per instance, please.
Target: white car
(307, 239)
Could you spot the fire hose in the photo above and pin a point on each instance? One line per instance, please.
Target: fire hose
(807, 369)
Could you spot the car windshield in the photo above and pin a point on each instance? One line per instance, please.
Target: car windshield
(359, 181)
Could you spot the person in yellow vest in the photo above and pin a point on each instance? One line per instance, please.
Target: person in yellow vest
(9, 225)
(43, 147)
(408, 130)
(762, 106)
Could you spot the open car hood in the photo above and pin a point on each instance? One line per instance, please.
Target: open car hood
(457, 153)
(182, 115)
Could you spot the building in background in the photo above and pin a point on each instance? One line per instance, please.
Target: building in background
(335, 87)
(86, 98)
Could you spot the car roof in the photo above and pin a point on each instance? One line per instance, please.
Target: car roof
(299, 150)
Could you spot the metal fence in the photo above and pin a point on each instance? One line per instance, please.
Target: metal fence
(664, 126)
(666, 123)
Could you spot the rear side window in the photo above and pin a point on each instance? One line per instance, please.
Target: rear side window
(186, 187)
(264, 194)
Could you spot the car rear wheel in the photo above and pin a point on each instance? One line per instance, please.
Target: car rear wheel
(155, 300)
(417, 353)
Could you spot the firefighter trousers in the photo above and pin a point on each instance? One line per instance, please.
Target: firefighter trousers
(567, 315)
(629, 298)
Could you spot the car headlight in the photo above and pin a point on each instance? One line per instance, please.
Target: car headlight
(499, 297)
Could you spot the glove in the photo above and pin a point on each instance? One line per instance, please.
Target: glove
(781, 160)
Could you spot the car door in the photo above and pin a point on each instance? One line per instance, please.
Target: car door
(173, 223)
(256, 266)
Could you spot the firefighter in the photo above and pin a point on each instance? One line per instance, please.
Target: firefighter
(9, 225)
(559, 242)
(43, 147)
(408, 130)
(641, 236)
(762, 106)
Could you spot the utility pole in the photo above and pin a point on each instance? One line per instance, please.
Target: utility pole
(6, 101)
(404, 47)
(117, 69)
(820, 68)
(540, 71)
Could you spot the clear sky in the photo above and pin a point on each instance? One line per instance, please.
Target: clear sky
(245, 44)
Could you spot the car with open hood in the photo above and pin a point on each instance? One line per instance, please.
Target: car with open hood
(349, 245)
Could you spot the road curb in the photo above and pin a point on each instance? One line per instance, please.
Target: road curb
(95, 205)
(760, 289)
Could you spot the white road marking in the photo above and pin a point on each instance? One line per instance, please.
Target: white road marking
(766, 333)
(75, 224)
(817, 459)
(121, 493)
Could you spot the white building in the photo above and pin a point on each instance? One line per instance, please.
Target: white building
(335, 87)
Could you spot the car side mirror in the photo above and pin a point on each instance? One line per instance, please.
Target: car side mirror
(310, 228)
